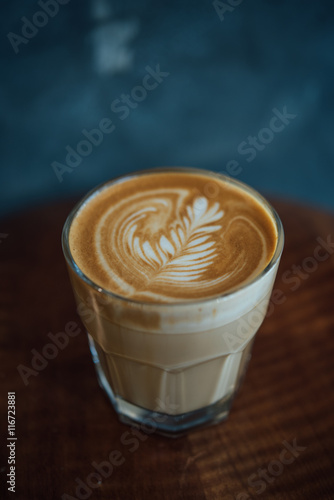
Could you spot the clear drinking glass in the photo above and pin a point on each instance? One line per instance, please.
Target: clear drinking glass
(169, 367)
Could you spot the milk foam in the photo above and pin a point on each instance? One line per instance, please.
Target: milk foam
(158, 238)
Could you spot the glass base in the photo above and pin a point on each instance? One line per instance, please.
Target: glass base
(149, 421)
(171, 425)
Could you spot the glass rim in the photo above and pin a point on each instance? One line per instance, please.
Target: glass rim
(208, 173)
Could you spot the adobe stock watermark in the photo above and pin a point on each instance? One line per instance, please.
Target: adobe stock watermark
(49, 351)
(59, 341)
(130, 441)
(31, 27)
(293, 277)
(257, 143)
(252, 146)
(225, 7)
(265, 476)
(122, 108)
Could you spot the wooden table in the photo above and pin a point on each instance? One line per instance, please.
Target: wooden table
(64, 422)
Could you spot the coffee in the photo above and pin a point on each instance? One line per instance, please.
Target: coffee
(158, 237)
(172, 271)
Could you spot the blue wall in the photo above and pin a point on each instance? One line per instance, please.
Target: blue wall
(226, 73)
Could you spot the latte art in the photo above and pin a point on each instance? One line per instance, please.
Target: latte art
(156, 242)
(157, 237)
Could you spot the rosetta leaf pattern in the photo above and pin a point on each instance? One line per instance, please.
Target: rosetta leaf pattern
(184, 253)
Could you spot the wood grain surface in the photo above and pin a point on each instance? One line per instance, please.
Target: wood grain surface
(278, 442)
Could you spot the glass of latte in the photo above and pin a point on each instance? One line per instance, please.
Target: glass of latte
(172, 271)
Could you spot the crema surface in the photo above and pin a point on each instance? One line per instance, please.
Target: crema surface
(172, 236)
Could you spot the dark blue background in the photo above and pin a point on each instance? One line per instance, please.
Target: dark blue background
(225, 78)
